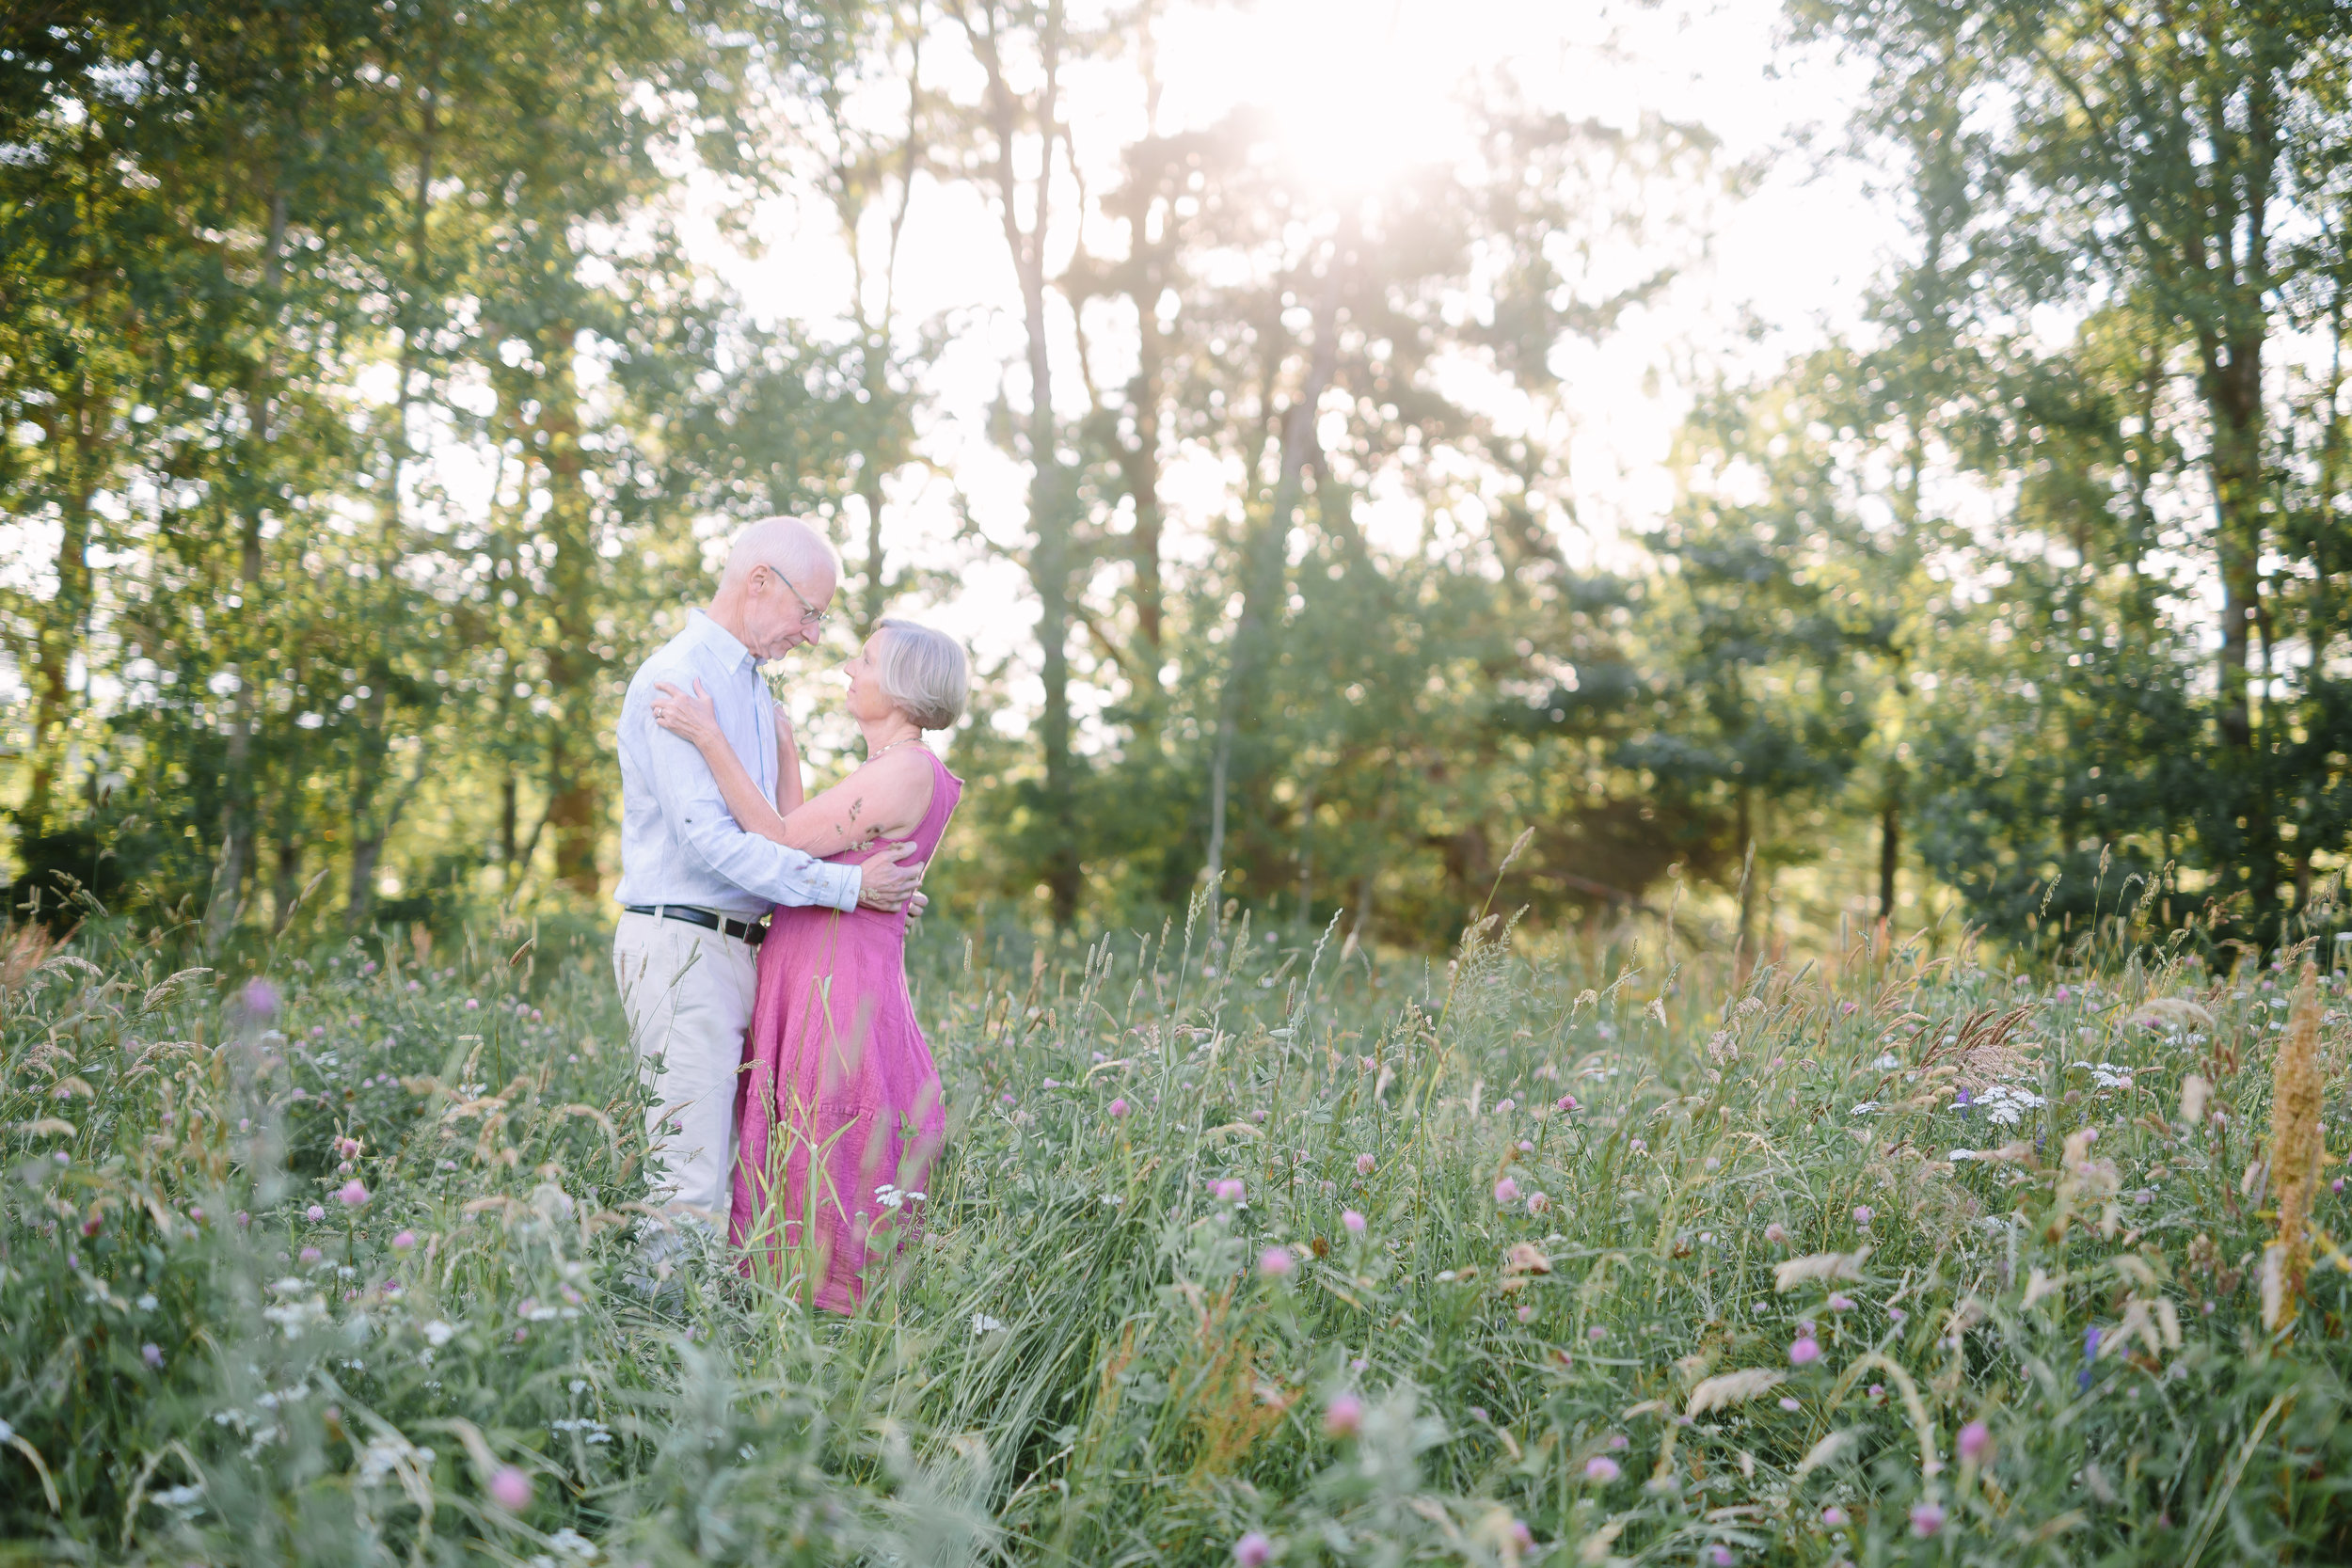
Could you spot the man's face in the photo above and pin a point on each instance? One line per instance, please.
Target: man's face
(781, 613)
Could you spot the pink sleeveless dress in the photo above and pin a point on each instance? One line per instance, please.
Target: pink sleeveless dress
(838, 1106)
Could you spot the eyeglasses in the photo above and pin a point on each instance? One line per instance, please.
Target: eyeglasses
(810, 614)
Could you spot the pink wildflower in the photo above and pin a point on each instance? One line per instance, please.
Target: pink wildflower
(352, 1193)
(1344, 1416)
(1975, 1441)
(1776, 1232)
(1119, 1109)
(314, 1213)
(152, 1354)
(511, 1490)
(311, 1254)
(1926, 1520)
(1538, 1203)
(1834, 1516)
(1365, 1165)
(1229, 1191)
(1840, 1302)
(1274, 1263)
(1596, 1334)
(1603, 1468)
(1253, 1550)
(1804, 1352)
(1506, 1191)
(404, 1241)
(1862, 1213)
(1354, 1221)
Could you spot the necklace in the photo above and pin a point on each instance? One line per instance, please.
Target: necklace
(904, 740)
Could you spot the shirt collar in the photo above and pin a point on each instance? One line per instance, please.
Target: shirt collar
(721, 640)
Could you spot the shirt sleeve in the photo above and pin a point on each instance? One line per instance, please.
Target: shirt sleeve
(697, 813)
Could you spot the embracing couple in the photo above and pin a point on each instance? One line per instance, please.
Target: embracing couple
(793, 1092)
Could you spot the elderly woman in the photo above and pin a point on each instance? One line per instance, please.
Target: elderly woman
(838, 1108)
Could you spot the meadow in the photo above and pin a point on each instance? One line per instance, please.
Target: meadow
(1247, 1246)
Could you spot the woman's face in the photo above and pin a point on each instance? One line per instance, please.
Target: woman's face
(867, 701)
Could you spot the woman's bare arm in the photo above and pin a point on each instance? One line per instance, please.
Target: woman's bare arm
(887, 796)
(790, 790)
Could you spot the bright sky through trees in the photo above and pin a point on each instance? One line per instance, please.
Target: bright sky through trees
(1362, 90)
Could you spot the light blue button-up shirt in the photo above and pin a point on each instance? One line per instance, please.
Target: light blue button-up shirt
(679, 844)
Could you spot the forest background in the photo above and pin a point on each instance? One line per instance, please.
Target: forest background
(378, 378)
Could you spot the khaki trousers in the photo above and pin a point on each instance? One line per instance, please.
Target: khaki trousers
(687, 993)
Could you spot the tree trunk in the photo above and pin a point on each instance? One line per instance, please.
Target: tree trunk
(374, 712)
(238, 825)
(1266, 560)
(575, 668)
(1050, 497)
(1890, 847)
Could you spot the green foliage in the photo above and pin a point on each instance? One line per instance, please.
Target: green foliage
(1589, 1187)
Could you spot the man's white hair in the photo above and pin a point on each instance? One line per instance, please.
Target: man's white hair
(789, 545)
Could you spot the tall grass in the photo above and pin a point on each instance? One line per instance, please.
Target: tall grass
(1245, 1246)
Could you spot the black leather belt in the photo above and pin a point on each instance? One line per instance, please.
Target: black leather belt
(745, 930)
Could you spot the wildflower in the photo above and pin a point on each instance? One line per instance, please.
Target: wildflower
(1776, 1233)
(1567, 1102)
(1253, 1550)
(311, 1254)
(1840, 1302)
(152, 1354)
(1343, 1416)
(352, 1195)
(1118, 1109)
(1720, 1557)
(511, 1490)
(404, 1241)
(244, 1219)
(1792, 1406)
(1228, 1191)
(2062, 994)
(1521, 1537)
(1527, 1314)
(1506, 1191)
(1845, 1008)
(196, 1213)
(1538, 1203)
(260, 999)
(1862, 1213)
(1976, 1442)
(1878, 1391)
(472, 1004)
(1354, 1221)
(1834, 1516)
(1052, 1084)
(1926, 1520)
(1505, 1106)
(1804, 1352)
(1596, 1334)
(1639, 1146)
(1897, 1316)
(1603, 1468)
(1365, 1165)
(1710, 1163)
(1274, 1263)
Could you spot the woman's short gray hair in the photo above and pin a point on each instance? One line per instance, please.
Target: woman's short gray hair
(924, 672)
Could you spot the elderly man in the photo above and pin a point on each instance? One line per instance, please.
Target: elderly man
(695, 888)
